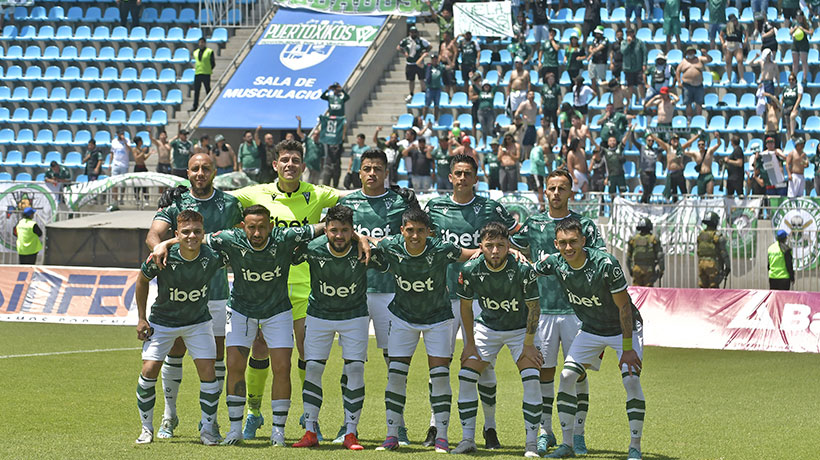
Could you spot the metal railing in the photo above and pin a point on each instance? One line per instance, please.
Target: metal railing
(233, 14)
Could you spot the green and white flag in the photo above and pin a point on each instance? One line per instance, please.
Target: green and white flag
(320, 34)
(490, 19)
(78, 195)
(331, 129)
(365, 7)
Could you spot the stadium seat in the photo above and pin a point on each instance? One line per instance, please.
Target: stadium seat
(149, 16)
(81, 138)
(39, 94)
(81, 179)
(219, 35)
(13, 159)
(173, 97)
(44, 137)
(444, 123)
(73, 160)
(167, 76)
(39, 115)
(181, 56)
(5, 177)
(101, 34)
(137, 118)
(4, 114)
(63, 138)
(6, 136)
(186, 17)
(163, 55)
(466, 122)
(119, 34)
(20, 115)
(111, 15)
(23, 177)
(58, 95)
(187, 77)
(159, 118)
(33, 160)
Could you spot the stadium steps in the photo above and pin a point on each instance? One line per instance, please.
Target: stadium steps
(381, 108)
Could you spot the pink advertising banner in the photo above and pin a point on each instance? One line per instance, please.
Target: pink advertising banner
(729, 319)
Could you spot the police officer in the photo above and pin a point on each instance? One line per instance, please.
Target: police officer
(713, 256)
(780, 264)
(28, 235)
(643, 254)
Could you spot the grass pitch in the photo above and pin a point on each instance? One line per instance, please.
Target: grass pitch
(701, 404)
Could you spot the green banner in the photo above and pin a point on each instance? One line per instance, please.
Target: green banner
(365, 7)
(485, 19)
(78, 195)
(320, 34)
(800, 217)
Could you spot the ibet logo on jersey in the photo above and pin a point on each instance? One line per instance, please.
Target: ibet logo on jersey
(800, 217)
(68, 295)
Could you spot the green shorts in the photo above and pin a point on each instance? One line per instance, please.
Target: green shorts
(704, 179)
(299, 293)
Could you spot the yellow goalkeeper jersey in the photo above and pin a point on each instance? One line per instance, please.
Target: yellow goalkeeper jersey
(302, 207)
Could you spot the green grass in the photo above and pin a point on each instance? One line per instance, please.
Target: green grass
(701, 404)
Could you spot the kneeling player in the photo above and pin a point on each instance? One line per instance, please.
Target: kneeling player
(180, 311)
(596, 288)
(337, 304)
(503, 286)
(421, 306)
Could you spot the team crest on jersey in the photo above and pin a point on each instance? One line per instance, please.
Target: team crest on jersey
(589, 275)
(618, 273)
(307, 197)
(204, 263)
(356, 205)
(243, 251)
(562, 273)
(388, 203)
(220, 204)
(272, 251)
(353, 262)
(173, 266)
(321, 263)
(481, 278)
(273, 196)
(444, 210)
(477, 208)
(541, 226)
(429, 258)
(510, 274)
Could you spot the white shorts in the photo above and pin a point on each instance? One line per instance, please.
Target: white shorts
(489, 342)
(277, 330)
(198, 338)
(218, 310)
(596, 71)
(588, 347)
(579, 181)
(118, 169)
(555, 330)
(403, 338)
(457, 323)
(797, 185)
(516, 98)
(377, 307)
(353, 337)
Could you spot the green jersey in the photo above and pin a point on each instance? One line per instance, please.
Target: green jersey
(461, 224)
(614, 126)
(614, 161)
(356, 157)
(549, 55)
(219, 212)
(717, 11)
(519, 50)
(434, 75)
(180, 152)
(182, 287)
(421, 294)
(550, 96)
(338, 284)
(485, 98)
(62, 173)
(590, 288)
(260, 286)
(538, 234)
(249, 155)
(790, 97)
(377, 217)
(502, 294)
(313, 155)
(442, 162)
(414, 47)
(538, 161)
(335, 102)
(469, 52)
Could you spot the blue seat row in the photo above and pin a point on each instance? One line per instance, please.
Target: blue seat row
(111, 15)
(40, 115)
(148, 75)
(62, 138)
(78, 95)
(89, 54)
(105, 34)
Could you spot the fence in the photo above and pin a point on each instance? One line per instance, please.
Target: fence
(234, 14)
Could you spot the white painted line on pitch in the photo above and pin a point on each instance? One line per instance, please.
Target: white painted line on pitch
(30, 355)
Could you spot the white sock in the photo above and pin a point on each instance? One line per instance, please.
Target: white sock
(531, 404)
(441, 398)
(208, 402)
(635, 407)
(219, 370)
(353, 395)
(312, 393)
(171, 379)
(487, 385)
(567, 401)
(280, 408)
(582, 393)
(547, 397)
(146, 398)
(395, 395)
(236, 410)
(467, 401)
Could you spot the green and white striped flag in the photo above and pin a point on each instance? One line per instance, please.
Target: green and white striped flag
(488, 19)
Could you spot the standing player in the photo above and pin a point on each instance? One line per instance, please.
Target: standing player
(508, 295)
(338, 304)
(180, 312)
(377, 213)
(458, 218)
(292, 203)
(220, 211)
(558, 324)
(595, 285)
(419, 262)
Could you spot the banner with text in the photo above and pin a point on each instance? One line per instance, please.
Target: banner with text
(298, 57)
(366, 7)
(490, 19)
(730, 319)
(69, 295)
(678, 226)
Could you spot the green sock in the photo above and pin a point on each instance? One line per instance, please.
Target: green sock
(256, 378)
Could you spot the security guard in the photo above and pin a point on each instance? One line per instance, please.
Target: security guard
(204, 63)
(28, 235)
(780, 264)
(713, 256)
(643, 254)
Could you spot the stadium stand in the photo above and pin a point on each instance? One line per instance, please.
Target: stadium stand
(70, 73)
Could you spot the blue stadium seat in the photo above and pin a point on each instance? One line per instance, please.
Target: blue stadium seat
(33, 160)
(13, 159)
(33, 73)
(111, 15)
(119, 34)
(101, 33)
(14, 72)
(39, 94)
(181, 56)
(192, 36)
(73, 160)
(417, 101)
(82, 33)
(96, 95)
(77, 94)
(53, 73)
(187, 77)
(81, 138)
(157, 35)
(6, 136)
(152, 96)
(187, 17)
(137, 118)
(162, 55)
(159, 118)
(754, 125)
(33, 53)
(103, 138)
(5, 93)
(97, 116)
(52, 53)
(5, 177)
(92, 74)
(404, 122)
(59, 116)
(129, 75)
(40, 177)
(219, 35)
(88, 53)
(138, 34)
(20, 94)
(167, 76)
(20, 115)
(92, 14)
(444, 123)
(14, 53)
(45, 33)
(58, 94)
(812, 125)
(144, 55)
(173, 97)
(168, 16)
(126, 54)
(134, 96)
(466, 122)
(735, 124)
(4, 114)
(23, 177)
(149, 16)
(62, 138)
(148, 75)
(81, 179)
(44, 137)
(75, 14)
(39, 115)
(117, 117)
